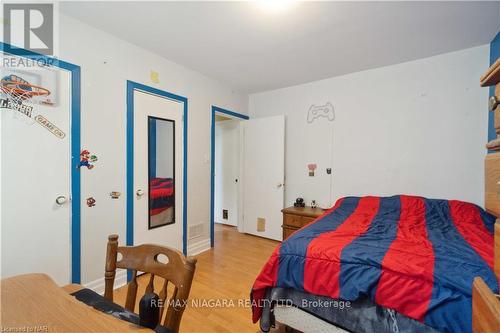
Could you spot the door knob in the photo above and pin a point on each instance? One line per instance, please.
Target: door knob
(139, 193)
(60, 200)
(280, 185)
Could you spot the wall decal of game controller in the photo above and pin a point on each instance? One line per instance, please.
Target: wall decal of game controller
(325, 111)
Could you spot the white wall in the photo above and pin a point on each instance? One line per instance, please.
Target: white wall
(415, 128)
(227, 168)
(106, 63)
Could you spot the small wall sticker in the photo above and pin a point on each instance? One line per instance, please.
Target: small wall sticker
(87, 160)
(319, 111)
(311, 168)
(154, 76)
(90, 202)
(115, 195)
(50, 126)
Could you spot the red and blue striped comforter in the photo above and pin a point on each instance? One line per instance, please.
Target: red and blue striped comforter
(415, 255)
(161, 195)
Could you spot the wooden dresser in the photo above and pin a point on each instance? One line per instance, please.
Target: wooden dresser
(295, 218)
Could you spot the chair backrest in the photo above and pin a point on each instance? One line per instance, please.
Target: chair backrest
(178, 270)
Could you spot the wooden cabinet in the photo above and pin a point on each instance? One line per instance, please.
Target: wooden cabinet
(295, 218)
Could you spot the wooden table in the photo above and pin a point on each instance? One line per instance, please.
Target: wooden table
(33, 302)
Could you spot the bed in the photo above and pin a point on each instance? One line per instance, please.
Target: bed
(405, 263)
(161, 200)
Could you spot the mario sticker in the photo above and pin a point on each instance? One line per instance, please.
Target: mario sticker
(87, 160)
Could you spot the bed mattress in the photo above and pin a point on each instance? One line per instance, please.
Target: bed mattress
(303, 321)
(311, 313)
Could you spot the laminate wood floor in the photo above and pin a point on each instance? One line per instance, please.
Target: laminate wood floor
(226, 272)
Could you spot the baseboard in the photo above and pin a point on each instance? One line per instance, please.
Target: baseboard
(198, 247)
(98, 285)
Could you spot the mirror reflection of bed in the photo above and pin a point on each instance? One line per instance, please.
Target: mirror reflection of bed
(161, 172)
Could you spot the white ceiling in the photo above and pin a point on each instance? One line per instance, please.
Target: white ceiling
(251, 50)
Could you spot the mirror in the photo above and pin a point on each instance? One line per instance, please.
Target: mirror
(161, 171)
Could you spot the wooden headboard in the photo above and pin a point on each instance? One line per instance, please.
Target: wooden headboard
(492, 199)
(485, 304)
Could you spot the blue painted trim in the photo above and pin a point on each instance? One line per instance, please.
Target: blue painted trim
(215, 110)
(131, 86)
(185, 182)
(212, 179)
(75, 148)
(75, 175)
(130, 164)
(494, 55)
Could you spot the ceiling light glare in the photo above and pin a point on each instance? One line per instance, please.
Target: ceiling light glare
(275, 6)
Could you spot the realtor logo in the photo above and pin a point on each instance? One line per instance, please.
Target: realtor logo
(29, 26)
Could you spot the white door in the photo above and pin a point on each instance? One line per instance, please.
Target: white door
(154, 208)
(227, 169)
(35, 170)
(264, 174)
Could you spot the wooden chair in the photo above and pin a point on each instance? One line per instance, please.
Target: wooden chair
(179, 271)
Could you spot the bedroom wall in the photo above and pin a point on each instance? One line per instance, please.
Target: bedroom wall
(415, 128)
(106, 63)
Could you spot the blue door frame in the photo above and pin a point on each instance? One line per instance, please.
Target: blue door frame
(233, 114)
(75, 147)
(131, 87)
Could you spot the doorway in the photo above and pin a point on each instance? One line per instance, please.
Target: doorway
(156, 167)
(226, 167)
